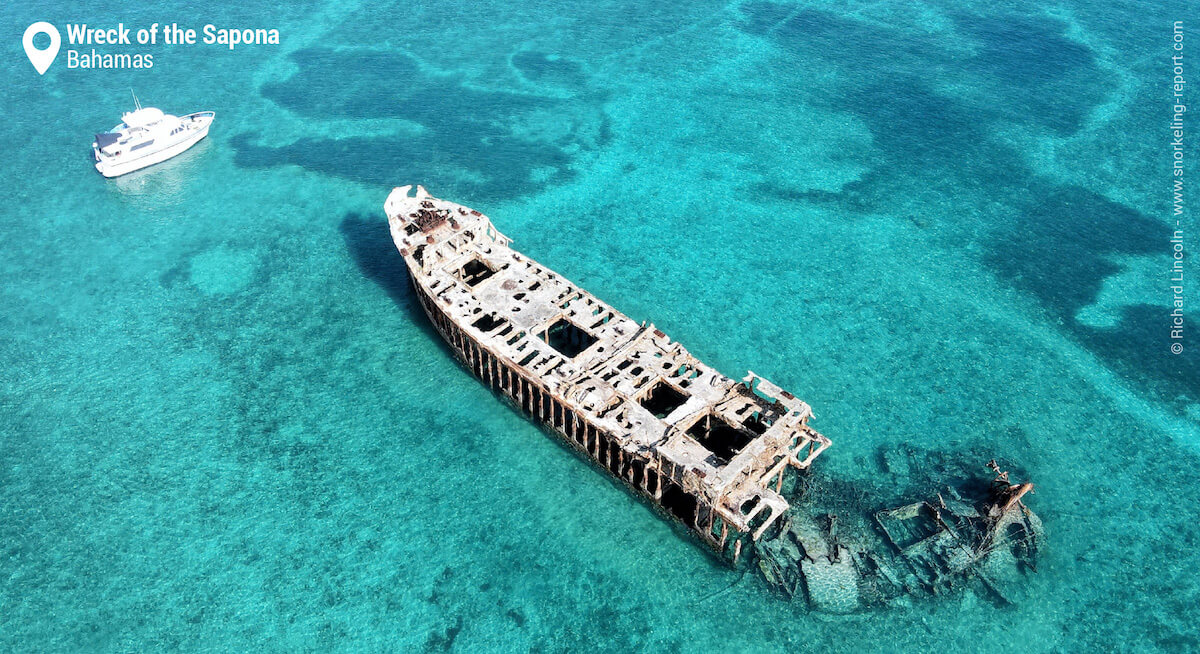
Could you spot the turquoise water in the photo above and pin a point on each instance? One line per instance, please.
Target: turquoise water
(227, 426)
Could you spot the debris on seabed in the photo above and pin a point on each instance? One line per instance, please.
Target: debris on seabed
(925, 548)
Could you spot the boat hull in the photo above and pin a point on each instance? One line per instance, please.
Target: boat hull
(116, 169)
(709, 451)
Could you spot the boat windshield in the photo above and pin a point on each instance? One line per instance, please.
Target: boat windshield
(106, 139)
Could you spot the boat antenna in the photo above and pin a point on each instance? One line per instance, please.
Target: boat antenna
(136, 105)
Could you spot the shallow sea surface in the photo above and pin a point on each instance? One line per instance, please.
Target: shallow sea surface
(227, 426)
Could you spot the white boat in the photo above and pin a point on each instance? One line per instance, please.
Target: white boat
(147, 136)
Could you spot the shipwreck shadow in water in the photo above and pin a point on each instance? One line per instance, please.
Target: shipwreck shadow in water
(371, 246)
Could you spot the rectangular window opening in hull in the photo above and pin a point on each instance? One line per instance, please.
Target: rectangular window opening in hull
(662, 400)
(679, 503)
(719, 437)
(568, 338)
(475, 271)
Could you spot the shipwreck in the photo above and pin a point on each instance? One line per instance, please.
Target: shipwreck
(707, 450)
(715, 454)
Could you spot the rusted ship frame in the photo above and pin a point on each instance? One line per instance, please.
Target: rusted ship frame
(710, 451)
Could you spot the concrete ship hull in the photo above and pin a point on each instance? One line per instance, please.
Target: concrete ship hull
(702, 448)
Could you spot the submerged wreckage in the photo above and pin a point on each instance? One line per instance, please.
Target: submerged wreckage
(979, 540)
(709, 451)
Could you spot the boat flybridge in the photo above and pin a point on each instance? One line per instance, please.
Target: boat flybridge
(147, 136)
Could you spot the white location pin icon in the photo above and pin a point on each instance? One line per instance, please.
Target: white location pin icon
(41, 59)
